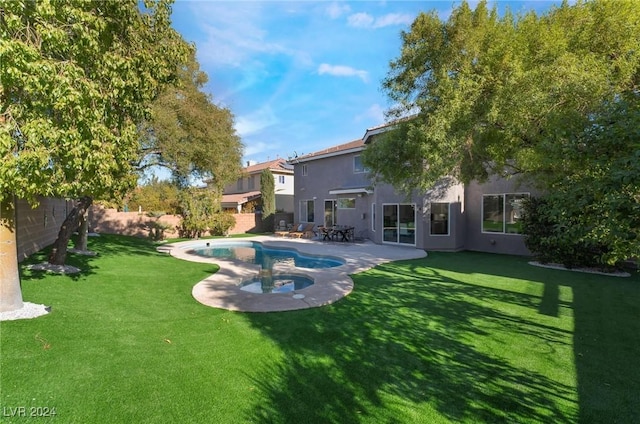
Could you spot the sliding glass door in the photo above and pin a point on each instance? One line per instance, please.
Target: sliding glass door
(330, 209)
(399, 223)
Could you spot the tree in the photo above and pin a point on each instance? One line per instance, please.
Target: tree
(268, 195)
(201, 212)
(508, 95)
(155, 196)
(75, 79)
(189, 134)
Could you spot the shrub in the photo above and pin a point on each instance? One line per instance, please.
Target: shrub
(553, 235)
(221, 223)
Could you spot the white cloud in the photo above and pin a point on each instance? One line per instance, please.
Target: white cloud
(335, 10)
(364, 20)
(234, 35)
(360, 20)
(375, 112)
(342, 71)
(257, 147)
(255, 122)
(394, 19)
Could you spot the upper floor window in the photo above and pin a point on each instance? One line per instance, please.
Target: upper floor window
(358, 167)
(281, 179)
(240, 184)
(304, 170)
(252, 182)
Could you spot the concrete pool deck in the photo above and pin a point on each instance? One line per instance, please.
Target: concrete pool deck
(222, 289)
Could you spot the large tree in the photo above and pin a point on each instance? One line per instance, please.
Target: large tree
(189, 134)
(76, 79)
(501, 94)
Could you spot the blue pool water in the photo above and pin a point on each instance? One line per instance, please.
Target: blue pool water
(276, 284)
(256, 253)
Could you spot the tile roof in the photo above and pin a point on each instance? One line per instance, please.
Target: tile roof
(332, 150)
(240, 198)
(279, 165)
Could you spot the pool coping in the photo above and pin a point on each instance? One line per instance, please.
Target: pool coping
(222, 289)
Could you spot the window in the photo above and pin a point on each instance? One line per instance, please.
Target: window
(358, 167)
(502, 213)
(304, 170)
(240, 184)
(306, 211)
(252, 182)
(281, 179)
(399, 223)
(440, 219)
(373, 217)
(347, 203)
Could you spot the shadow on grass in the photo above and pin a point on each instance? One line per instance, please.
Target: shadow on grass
(606, 334)
(411, 341)
(105, 245)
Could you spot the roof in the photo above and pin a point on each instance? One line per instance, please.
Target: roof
(350, 147)
(232, 200)
(277, 165)
(370, 132)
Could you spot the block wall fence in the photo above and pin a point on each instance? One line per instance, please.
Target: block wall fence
(37, 227)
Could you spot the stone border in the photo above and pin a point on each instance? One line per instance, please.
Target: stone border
(222, 289)
(584, 270)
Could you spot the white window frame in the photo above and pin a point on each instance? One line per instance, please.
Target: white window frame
(415, 222)
(373, 217)
(342, 200)
(304, 170)
(504, 212)
(304, 210)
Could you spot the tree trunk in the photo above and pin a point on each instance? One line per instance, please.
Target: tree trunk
(58, 253)
(10, 291)
(83, 232)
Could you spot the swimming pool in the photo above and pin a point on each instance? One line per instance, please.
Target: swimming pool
(276, 284)
(256, 253)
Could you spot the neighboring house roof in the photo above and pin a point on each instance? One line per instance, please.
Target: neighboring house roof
(233, 200)
(279, 165)
(350, 147)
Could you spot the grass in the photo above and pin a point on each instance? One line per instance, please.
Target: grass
(455, 337)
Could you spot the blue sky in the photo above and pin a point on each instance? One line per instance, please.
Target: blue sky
(301, 76)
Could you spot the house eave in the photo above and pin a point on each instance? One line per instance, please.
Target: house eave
(355, 190)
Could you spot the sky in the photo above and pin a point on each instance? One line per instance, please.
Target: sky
(302, 76)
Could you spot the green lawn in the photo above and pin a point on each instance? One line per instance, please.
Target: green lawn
(456, 337)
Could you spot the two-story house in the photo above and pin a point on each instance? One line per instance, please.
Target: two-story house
(333, 188)
(245, 191)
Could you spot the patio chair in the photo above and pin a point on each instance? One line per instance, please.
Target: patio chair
(327, 233)
(302, 231)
